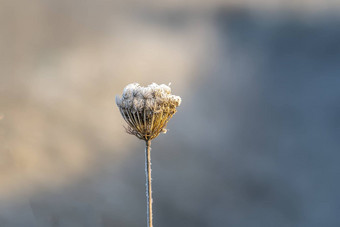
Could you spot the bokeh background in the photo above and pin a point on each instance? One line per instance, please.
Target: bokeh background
(255, 142)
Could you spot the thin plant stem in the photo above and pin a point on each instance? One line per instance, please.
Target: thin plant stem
(148, 182)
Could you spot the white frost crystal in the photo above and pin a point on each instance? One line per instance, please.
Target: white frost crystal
(147, 110)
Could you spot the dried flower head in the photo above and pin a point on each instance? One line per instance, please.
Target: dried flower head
(147, 110)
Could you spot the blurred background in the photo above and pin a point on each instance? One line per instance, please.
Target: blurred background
(255, 142)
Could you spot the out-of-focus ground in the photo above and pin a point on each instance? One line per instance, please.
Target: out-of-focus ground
(255, 143)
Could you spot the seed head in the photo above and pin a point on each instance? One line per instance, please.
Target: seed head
(147, 110)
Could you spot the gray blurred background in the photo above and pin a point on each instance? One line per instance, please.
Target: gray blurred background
(255, 142)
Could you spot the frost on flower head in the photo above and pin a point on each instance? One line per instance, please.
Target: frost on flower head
(147, 110)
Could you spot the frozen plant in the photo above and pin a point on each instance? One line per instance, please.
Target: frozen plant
(147, 111)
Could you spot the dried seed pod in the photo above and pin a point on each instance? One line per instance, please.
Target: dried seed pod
(147, 110)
